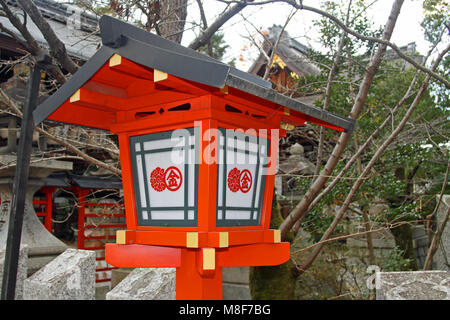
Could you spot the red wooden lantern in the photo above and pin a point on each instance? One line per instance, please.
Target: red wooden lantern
(198, 147)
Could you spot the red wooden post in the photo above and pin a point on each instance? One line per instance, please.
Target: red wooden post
(81, 193)
(195, 283)
(48, 207)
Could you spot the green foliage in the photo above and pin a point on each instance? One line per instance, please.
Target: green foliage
(357, 21)
(436, 18)
(216, 47)
(273, 282)
(411, 171)
(318, 220)
(393, 181)
(395, 261)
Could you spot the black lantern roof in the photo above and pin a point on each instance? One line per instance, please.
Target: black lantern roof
(155, 52)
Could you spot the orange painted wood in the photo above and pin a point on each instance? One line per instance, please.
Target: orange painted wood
(106, 88)
(127, 182)
(81, 194)
(237, 238)
(95, 100)
(191, 285)
(161, 123)
(109, 77)
(161, 101)
(83, 116)
(161, 238)
(169, 237)
(130, 81)
(133, 69)
(262, 254)
(180, 85)
(155, 100)
(142, 256)
(207, 181)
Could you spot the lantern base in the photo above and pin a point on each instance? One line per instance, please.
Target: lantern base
(193, 283)
(199, 270)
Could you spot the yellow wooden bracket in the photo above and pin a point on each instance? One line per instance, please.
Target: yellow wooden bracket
(76, 96)
(276, 236)
(191, 239)
(223, 239)
(115, 60)
(159, 75)
(287, 126)
(209, 258)
(224, 90)
(121, 237)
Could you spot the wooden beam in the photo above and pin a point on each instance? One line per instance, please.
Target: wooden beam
(163, 79)
(120, 64)
(83, 116)
(106, 88)
(96, 100)
(159, 76)
(157, 98)
(20, 187)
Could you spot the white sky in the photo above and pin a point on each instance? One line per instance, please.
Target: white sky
(407, 29)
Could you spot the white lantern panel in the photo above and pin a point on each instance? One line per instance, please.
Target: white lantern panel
(165, 175)
(141, 176)
(237, 215)
(241, 177)
(172, 195)
(167, 215)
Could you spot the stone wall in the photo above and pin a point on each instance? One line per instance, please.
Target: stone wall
(70, 276)
(413, 285)
(146, 284)
(236, 283)
(21, 269)
(441, 258)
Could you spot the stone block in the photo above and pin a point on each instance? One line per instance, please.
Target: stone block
(117, 275)
(21, 269)
(70, 276)
(101, 289)
(233, 291)
(442, 255)
(146, 284)
(238, 275)
(235, 283)
(413, 285)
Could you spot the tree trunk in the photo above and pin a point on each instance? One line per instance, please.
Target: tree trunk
(403, 240)
(274, 282)
(173, 18)
(302, 207)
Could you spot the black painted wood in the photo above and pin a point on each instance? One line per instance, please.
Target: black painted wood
(19, 187)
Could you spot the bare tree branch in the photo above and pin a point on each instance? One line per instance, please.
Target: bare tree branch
(437, 236)
(31, 44)
(360, 100)
(342, 25)
(62, 142)
(57, 47)
(371, 163)
(204, 37)
(328, 89)
(275, 46)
